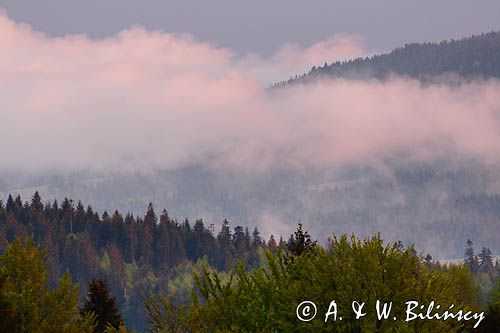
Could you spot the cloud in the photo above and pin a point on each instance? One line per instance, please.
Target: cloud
(291, 59)
(147, 99)
(355, 121)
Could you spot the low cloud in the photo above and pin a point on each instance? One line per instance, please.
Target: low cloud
(148, 99)
(291, 59)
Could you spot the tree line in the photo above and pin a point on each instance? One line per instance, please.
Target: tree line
(472, 57)
(65, 268)
(136, 255)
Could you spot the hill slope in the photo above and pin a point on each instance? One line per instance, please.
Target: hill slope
(476, 56)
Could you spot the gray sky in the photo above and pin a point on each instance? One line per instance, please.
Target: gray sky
(262, 25)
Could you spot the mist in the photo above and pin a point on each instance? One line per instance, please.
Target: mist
(143, 101)
(148, 99)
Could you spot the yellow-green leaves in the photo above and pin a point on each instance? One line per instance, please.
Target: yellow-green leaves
(32, 306)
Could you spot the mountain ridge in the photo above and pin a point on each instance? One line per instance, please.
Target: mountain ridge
(476, 56)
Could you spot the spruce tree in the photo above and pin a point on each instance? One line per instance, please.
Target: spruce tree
(224, 259)
(9, 206)
(102, 305)
(239, 240)
(256, 239)
(18, 204)
(224, 236)
(271, 244)
(300, 242)
(36, 202)
(150, 217)
(471, 260)
(486, 261)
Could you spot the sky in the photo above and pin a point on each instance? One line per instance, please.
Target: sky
(262, 26)
(143, 99)
(122, 87)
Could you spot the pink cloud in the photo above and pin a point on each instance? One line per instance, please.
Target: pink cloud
(291, 58)
(336, 48)
(149, 99)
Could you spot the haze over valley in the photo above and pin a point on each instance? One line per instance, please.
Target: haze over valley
(393, 143)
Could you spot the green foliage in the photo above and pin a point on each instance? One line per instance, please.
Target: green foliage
(168, 313)
(165, 258)
(136, 255)
(111, 329)
(105, 263)
(165, 316)
(265, 299)
(30, 305)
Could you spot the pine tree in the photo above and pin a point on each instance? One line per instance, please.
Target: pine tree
(9, 206)
(486, 261)
(18, 204)
(248, 239)
(300, 242)
(239, 240)
(67, 206)
(271, 244)
(55, 210)
(224, 258)
(36, 202)
(150, 217)
(256, 239)
(471, 260)
(224, 236)
(102, 305)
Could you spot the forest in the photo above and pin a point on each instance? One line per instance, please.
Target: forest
(136, 255)
(211, 167)
(114, 273)
(451, 201)
(472, 57)
(436, 202)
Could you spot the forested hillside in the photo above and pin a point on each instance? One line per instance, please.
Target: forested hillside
(133, 283)
(473, 57)
(436, 205)
(136, 255)
(154, 179)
